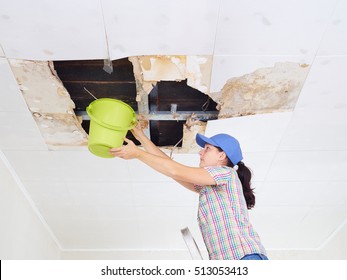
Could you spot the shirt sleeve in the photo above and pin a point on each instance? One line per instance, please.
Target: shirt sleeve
(221, 175)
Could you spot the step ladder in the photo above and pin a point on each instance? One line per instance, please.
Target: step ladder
(191, 244)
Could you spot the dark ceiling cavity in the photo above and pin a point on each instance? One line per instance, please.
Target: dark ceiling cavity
(86, 80)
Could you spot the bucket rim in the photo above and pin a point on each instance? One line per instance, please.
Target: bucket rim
(92, 117)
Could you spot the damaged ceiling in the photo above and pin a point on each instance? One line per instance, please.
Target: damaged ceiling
(170, 94)
(270, 73)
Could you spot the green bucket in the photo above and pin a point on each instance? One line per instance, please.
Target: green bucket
(110, 120)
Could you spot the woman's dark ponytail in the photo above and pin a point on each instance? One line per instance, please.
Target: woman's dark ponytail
(245, 176)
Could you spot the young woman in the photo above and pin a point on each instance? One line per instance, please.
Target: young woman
(225, 194)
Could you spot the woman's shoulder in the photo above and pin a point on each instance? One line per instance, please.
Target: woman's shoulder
(220, 170)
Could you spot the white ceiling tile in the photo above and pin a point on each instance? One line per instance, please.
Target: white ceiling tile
(256, 133)
(40, 30)
(259, 163)
(309, 193)
(316, 130)
(2, 54)
(19, 132)
(226, 67)
(309, 166)
(160, 227)
(297, 226)
(192, 159)
(140, 172)
(258, 188)
(84, 166)
(329, 193)
(114, 194)
(324, 88)
(158, 194)
(278, 226)
(271, 27)
(101, 234)
(67, 166)
(33, 165)
(298, 159)
(334, 41)
(179, 27)
(80, 194)
(285, 194)
(11, 97)
(322, 221)
(48, 193)
(167, 216)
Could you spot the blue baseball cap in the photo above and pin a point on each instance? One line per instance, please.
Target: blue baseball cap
(227, 143)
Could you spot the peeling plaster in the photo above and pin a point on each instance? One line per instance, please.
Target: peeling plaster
(189, 145)
(148, 70)
(190, 129)
(152, 69)
(50, 103)
(266, 90)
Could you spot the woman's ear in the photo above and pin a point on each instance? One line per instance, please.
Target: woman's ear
(223, 157)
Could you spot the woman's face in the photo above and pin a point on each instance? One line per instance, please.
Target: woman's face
(210, 156)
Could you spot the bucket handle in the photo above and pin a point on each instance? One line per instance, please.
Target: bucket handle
(112, 127)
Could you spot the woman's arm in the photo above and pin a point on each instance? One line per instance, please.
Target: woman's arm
(146, 143)
(179, 172)
(150, 147)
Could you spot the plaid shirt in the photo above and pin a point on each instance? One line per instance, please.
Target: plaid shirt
(223, 217)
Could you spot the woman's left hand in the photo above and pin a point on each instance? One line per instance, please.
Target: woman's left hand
(128, 151)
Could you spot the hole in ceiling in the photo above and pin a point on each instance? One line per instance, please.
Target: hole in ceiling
(166, 91)
(84, 79)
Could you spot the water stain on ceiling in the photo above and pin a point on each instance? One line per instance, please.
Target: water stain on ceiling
(169, 93)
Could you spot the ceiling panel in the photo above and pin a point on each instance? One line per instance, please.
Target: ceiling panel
(330, 194)
(300, 193)
(259, 163)
(157, 194)
(309, 166)
(2, 54)
(298, 158)
(19, 132)
(226, 67)
(323, 221)
(160, 226)
(334, 41)
(279, 231)
(140, 172)
(324, 86)
(68, 165)
(316, 130)
(81, 194)
(263, 134)
(11, 97)
(272, 27)
(166, 28)
(104, 234)
(46, 30)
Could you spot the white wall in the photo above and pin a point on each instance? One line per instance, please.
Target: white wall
(23, 235)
